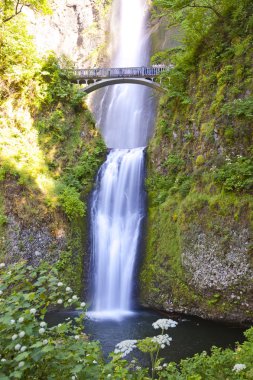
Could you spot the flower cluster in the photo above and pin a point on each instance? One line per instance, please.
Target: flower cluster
(164, 324)
(162, 340)
(239, 367)
(125, 347)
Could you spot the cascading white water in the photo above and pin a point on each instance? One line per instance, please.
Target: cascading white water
(126, 113)
(117, 202)
(117, 214)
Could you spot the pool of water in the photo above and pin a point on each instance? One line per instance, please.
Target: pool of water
(192, 335)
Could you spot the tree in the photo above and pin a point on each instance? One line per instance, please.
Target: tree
(179, 5)
(11, 8)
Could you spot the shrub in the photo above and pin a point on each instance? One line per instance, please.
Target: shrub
(30, 349)
(70, 200)
(242, 108)
(236, 175)
(174, 163)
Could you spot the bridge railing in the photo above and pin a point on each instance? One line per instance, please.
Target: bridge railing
(120, 72)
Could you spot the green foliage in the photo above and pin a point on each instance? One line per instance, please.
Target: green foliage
(174, 163)
(69, 199)
(46, 129)
(11, 8)
(82, 175)
(159, 186)
(236, 175)
(59, 88)
(220, 364)
(30, 348)
(241, 108)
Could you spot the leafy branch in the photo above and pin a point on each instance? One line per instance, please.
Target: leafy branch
(11, 9)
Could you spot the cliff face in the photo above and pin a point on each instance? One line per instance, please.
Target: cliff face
(76, 28)
(200, 182)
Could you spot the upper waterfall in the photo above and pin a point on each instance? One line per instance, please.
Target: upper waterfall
(126, 110)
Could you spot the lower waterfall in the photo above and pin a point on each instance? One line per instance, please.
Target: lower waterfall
(116, 214)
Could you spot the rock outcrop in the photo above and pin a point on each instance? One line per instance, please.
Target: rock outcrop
(76, 29)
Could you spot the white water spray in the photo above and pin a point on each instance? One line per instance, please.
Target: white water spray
(117, 203)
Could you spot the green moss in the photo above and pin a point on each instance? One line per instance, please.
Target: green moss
(200, 160)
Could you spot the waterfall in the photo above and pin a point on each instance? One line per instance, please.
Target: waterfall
(117, 201)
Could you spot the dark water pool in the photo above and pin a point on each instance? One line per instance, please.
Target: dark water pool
(192, 335)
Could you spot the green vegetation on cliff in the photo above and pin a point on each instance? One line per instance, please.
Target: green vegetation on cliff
(200, 166)
(50, 152)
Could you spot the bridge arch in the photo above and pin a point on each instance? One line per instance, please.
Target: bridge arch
(112, 81)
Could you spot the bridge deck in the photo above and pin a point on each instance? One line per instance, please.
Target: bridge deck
(84, 75)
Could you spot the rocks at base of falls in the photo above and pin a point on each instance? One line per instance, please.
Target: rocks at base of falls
(32, 243)
(209, 264)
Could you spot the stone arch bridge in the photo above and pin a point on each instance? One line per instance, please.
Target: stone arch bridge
(93, 79)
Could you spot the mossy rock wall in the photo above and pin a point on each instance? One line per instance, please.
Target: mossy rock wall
(200, 182)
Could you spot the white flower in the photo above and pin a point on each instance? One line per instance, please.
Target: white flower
(73, 377)
(3, 360)
(41, 331)
(162, 340)
(138, 368)
(21, 319)
(74, 298)
(43, 324)
(94, 361)
(83, 304)
(238, 367)
(77, 337)
(1, 292)
(59, 325)
(21, 334)
(21, 364)
(59, 301)
(33, 311)
(109, 375)
(13, 321)
(125, 347)
(45, 341)
(70, 300)
(14, 337)
(2, 265)
(17, 347)
(68, 289)
(60, 284)
(23, 348)
(164, 324)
